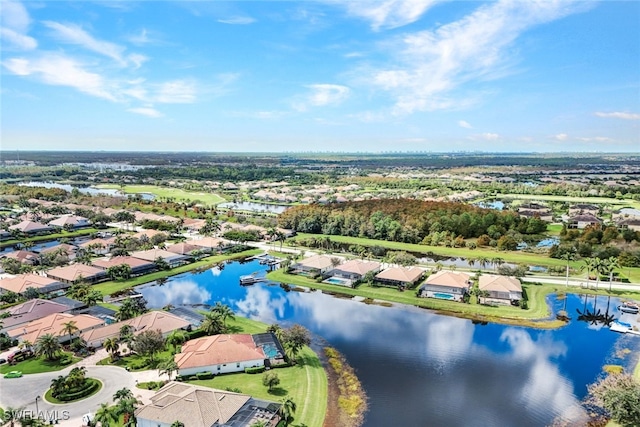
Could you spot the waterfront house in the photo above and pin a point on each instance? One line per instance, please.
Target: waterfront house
(30, 310)
(170, 258)
(24, 257)
(219, 354)
(449, 285)
(31, 228)
(313, 266)
(138, 266)
(400, 277)
(355, 270)
(210, 244)
(66, 251)
(20, 283)
(54, 324)
(501, 289)
(197, 406)
(582, 221)
(99, 246)
(70, 221)
(77, 272)
(185, 249)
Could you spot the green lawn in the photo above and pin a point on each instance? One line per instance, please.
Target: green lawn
(607, 200)
(53, 236)
(37, 365)
(305, 383)
(167, 192)
(108, 288)
(130, 362)
(517, 257)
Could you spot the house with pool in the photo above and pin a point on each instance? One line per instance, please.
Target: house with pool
(352, 271)
(500, 289)
(448, 285)
(227, 353)
(400, 277)
(313, 266)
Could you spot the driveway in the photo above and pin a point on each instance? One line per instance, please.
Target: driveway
(22, 392)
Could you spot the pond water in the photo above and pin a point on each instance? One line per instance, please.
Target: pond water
(93, 191)
(254, 207)
(496, 204)
(419, 368)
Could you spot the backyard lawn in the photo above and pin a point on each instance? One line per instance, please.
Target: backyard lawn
(176, 194)
(37, 365)
(305, 384)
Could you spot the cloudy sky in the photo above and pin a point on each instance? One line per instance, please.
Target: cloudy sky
(369, 75)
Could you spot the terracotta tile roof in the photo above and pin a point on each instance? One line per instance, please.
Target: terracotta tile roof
(453, 279)
(194, 406)
(29, 226)
(208, 242)
(68, 220)
(401, 274)
(21, 282)
(148, 233)
(105, 263)
(153, 320)
(31, 310)
(105, 243)
(53, 324)
(217, 350)
(68, 249)
(183, 248)
(74, 272)
(153, 254)
(494, 282)
(317, 261)
(359, 267)
(23, 256)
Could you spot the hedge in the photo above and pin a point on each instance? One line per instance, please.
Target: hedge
(256, 370)
(204, 375)
(91, 386)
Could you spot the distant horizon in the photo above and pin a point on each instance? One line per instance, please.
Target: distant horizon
(321, 76)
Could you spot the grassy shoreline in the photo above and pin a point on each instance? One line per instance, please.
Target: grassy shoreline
(168, 192)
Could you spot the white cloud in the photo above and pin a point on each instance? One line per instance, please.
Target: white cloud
(386, 14)
(322, 95)
(175, 92)
(238, 20)
(146, 111)
(595, 139)
(21, 41)
(141, 38)
(561, 137)
(490, 136)
(464, 124)
(59, 70)
(429, 65)
(619, 115)
(73, 34)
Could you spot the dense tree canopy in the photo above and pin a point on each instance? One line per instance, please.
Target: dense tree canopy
(405, 220)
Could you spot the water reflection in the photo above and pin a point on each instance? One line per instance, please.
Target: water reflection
(421, 369)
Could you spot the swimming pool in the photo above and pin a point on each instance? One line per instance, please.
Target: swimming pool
(443, 296)
(270, 351)
(338, 281)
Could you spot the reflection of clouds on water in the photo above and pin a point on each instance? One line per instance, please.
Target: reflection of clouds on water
(258, 303)
(545, 387)
(216, 271)
(448, 340)
(175, 293)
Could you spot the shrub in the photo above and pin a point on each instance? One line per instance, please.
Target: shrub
(204, 375)
(256, 370)
(91, 385)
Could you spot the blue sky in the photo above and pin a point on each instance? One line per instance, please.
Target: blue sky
(370, 76)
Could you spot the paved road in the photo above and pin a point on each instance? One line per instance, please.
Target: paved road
(582, 283)
(22, 392)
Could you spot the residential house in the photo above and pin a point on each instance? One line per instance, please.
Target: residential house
(170, 258)
(220, 354)
(198, 406)
(355, 270)
(138, 266)
(449, 285)
(583, 208)
(154, 320)
(20, 283)
(24, 257)
(631, 223)
(501, 289)
(210, 244)
(64, 250)
(185, 249)
(30, 310)
(31, 228)
(313, 266)
(70, 221)
(77, 272)
(583, 221)
(400, 277)
(54, 324)
(99, 246)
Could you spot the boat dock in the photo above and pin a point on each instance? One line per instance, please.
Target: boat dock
(251, 279)
(266, 259)
(623, 328)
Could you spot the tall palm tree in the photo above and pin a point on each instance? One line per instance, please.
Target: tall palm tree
(212, 323)
(112, 346)
(47, 345)
(176, 338)
(106, 415)
(497, 262)
(611, 264)
(123, 393)
(287, 410)
(589, 264)
(224, 311)
(598, 267)
(70, 328)
(568, 256)
(483, 261)
(168, 367)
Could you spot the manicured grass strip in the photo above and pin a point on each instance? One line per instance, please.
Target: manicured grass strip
(607, 200)
(169, 192)
(305, 383)
(508, 256)
(37, 365)
(110, 287)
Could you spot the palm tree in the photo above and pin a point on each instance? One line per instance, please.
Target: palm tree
(177, 423)
(589, 264)
(112, 346)
(123, 393)
(106, 415)
(69, 328)
(483, 261)
(287, 410)
(598, 267)
(47, 345)
(168, 367)
(224, 311)
(497, 262)
(176, 338)
(568, 256)
(471, 261)
(610, 265)
(212, 323)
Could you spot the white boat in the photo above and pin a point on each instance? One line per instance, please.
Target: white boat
(629, 307)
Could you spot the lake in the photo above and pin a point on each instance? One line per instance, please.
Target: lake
(423, 369)
(93, 191)
(254, 207)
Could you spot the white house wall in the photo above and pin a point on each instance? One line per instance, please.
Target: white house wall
(224, 368)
